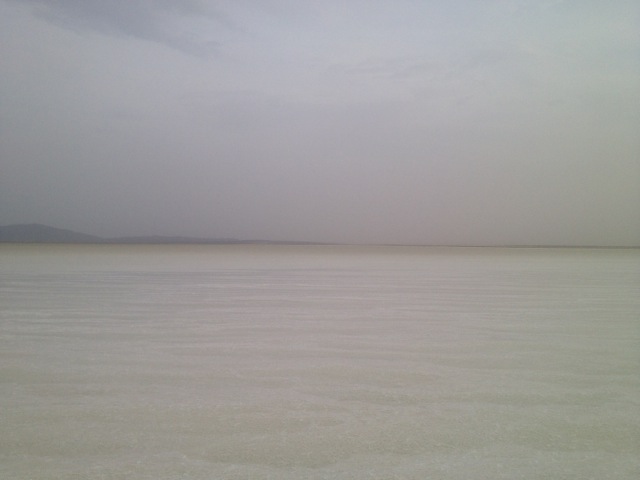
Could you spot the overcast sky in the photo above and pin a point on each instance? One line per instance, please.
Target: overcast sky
(398, 121)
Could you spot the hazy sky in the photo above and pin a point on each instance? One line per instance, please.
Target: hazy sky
(398, 121)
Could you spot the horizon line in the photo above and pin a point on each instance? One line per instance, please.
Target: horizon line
(90, 239)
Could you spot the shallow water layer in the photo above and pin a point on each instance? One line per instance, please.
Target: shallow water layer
(319, 362)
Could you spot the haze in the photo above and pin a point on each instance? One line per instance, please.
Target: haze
(417, 122)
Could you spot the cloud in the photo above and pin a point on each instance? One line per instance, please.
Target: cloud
(175, 24)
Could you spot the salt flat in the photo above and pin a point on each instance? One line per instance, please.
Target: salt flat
(319, 362)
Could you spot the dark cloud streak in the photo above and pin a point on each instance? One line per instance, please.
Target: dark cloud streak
(150, 20)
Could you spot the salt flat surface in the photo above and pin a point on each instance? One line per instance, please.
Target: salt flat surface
(256, 362)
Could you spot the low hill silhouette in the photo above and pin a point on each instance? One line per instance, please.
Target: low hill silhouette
(38, 233)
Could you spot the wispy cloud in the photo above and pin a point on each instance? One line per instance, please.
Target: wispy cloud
(160, 21)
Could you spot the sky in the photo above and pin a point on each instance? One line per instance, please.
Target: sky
(459, 122)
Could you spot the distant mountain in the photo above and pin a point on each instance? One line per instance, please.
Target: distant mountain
(36, 233)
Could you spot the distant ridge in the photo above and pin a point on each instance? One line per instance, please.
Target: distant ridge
(169, 239)
(37, 233)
